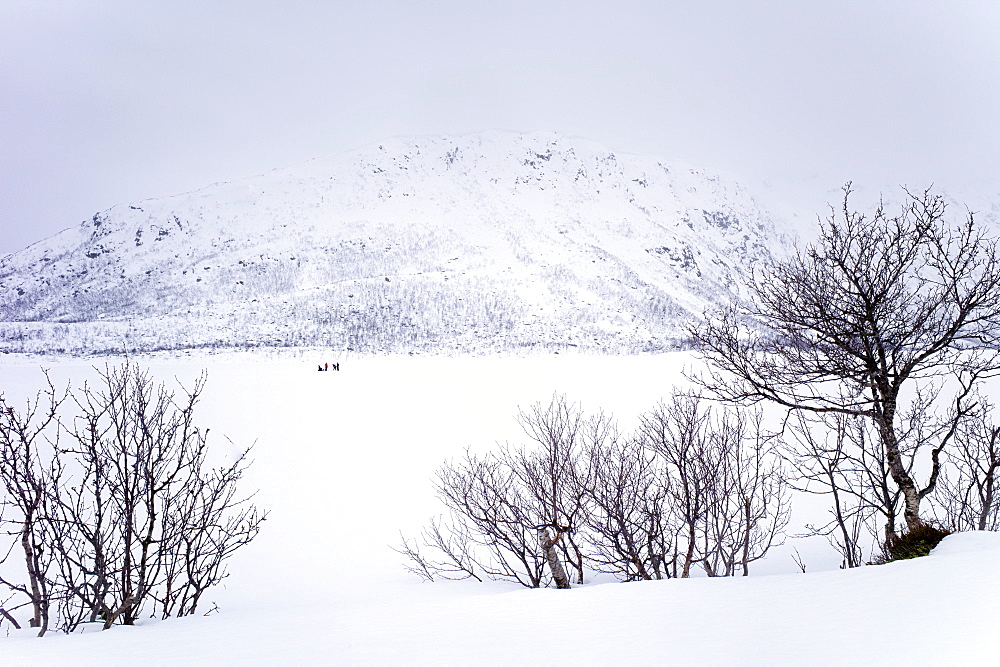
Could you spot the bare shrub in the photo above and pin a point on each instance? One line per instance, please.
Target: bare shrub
(750, 498)
(26, 479)
(729, 490)
(582, 496)
(551, 476)
(132, 518)
(516, 514)
(630, 526)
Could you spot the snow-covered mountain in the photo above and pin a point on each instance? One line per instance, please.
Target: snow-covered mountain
(482, 242)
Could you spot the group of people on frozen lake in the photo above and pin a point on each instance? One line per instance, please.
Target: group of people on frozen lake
(326, 367)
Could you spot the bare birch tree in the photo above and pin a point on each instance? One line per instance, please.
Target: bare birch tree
(678, 433)
(550, 472)
(728, 489)
(514, 514)
(879, 304)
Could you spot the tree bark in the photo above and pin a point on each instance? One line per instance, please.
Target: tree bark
(548, 546)
(688, 556)
(39, 599)
(885, 418)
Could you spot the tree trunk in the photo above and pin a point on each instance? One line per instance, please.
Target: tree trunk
(884, 419)
(747, 527)
(125, 607)
(688, 557)
(548, 546)
(39, 600)
(987, 496)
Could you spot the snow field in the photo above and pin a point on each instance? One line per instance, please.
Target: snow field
(344, 461)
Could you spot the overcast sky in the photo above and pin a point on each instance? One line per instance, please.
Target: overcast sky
(103, 102)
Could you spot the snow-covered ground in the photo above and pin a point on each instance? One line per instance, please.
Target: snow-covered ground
(344, 462)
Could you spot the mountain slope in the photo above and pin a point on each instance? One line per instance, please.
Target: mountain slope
(482, 242)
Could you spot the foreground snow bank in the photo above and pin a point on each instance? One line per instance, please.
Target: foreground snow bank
(941, 608)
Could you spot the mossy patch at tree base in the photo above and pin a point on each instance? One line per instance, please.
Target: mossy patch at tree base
(917, 542)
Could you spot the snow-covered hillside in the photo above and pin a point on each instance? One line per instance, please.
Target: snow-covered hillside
(490, 241)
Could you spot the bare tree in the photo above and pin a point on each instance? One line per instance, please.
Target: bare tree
(839, 455)
(729, 491)
(750, 497)
(969, 494)
(25, 480)
(679, 434)
(515, 514)
(877, 305)
(122, 513)
(550, 474)
(489, 505)
(630, 525)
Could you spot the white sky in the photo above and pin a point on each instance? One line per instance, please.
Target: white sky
(103, 102)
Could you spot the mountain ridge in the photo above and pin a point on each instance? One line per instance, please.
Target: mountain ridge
(483, 242)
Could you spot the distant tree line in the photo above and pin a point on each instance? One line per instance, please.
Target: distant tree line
(113, 509)
(405, 296)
